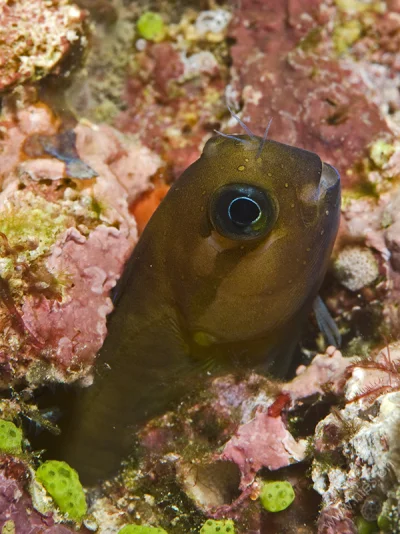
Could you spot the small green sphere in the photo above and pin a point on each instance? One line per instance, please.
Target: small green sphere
(276, 496)
(63, 485)
(384, 523)
(224, 526)
(139, 529)
(151, 26)
(366, 527)
(10, 437)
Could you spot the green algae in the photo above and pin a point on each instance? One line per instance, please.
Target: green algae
(346, 34)
(384, 523)
(62, 483)
(366, 527)
(223, 526)
(358, 346)
(389, 519)
(35, 228)
(10, 437)
(8, 527)
(151, 26)
(97, 207)
(358, 6)
(276, 496)
(97, 92)
(311, 40)
(380, 152)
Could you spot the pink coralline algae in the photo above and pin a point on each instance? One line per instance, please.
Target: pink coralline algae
(16, 511)
(327, 369)
(353, 449)
(173, 98)
(284, 65)
(263, 442)
(213, 454)
(35, 36)
(332, 521)
(64, 243)
(73, 330)
(327, 72)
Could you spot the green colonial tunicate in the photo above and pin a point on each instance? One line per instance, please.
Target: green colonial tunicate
(224, 526)
(384, 523)
(151, 26)
(276, 496)
(139, 529)
(62, 483)
(366, 527)
(10, 437)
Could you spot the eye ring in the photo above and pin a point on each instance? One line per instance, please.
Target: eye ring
(242, 212)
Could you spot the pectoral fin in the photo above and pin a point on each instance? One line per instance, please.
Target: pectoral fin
(326, 324)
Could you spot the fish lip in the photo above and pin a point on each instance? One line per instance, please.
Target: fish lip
(330, 178)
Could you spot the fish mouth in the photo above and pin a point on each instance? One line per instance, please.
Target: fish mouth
(326, 189)
(324, 195)
(330, 178)
(329, 185)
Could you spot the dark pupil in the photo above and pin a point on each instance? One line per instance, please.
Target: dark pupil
(243, 211)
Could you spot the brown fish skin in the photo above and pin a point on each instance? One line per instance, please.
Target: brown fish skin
(220, 279)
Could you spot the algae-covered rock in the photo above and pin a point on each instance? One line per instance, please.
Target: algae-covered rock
(380, 152)
(34, 36)
(278, 61)
(346, 34)
(32, 223)
(63, 241)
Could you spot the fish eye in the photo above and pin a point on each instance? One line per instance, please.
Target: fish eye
(242, 212)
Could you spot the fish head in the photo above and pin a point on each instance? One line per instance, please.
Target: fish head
(252, 225)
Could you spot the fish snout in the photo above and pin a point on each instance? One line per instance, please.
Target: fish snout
(329, 181)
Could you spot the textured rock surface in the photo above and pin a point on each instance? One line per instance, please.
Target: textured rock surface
(17, 513)
(35, 36)
(328, 73)
(356, 448)
(65, 243)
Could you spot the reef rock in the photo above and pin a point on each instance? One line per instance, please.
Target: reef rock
(65, 239)
(356, 448)
(35, 36)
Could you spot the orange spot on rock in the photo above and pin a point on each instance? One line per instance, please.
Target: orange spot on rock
(147, 204)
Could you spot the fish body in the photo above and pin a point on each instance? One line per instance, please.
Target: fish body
(223, 277)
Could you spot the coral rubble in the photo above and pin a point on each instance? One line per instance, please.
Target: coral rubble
(35, 36)
(64, 243)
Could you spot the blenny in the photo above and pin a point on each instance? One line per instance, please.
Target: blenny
(223, 277)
